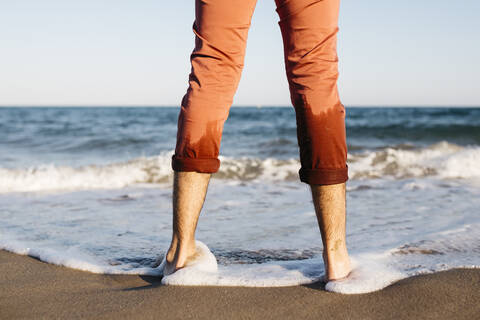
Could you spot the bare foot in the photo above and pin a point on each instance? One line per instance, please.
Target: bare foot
(337, 266)
(178, 257)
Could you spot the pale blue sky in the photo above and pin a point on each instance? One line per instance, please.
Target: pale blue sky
(106, 52)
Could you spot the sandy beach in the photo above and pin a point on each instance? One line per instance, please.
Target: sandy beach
(34, 289)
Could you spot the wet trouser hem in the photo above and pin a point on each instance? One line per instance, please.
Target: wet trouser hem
(207, 165)
(323, 176)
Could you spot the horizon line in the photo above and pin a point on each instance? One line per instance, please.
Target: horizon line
(233, 106)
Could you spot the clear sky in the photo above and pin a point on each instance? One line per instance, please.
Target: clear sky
(119, 52)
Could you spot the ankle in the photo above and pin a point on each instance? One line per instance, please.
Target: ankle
(337, 264)
(337, 254)
(180, 250)
(338, 259)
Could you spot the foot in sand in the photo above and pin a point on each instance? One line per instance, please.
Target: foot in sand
(200, 268)
(178, 257)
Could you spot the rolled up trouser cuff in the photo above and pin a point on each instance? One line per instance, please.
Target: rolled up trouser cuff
(323, 176)
(202, 165)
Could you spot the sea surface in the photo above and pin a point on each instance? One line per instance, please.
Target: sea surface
(90, 188)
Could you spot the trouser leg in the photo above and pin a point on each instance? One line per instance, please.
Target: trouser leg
(309, 30)
(221, 29)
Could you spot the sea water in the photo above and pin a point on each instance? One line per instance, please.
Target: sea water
(90, 189)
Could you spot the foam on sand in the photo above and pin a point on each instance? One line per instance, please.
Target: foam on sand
(71, 258)
(203, 271)
(199, 271)
(368, 273)
(371, 272)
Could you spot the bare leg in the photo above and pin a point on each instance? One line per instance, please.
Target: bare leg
(189, 191)
(329, 202)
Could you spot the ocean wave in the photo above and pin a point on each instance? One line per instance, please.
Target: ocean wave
(443, 160)
(117, 175)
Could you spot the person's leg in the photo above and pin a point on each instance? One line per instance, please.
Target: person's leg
(221, 30)
(189, 191)
(329, 203)
(309, 30)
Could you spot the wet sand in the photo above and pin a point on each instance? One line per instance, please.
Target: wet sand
(33, 289)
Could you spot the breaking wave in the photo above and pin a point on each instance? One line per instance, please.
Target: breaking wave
(442, 160)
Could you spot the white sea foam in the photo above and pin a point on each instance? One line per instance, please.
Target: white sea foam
(72, 258)
(443, 160)
(201, 271)
(204, 261)
(270, 274)
(117, 175)
(204, 271)
(370, 272)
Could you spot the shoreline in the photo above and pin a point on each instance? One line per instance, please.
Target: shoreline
(35, 289)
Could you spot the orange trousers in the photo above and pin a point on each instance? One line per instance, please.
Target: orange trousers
(309, 30)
